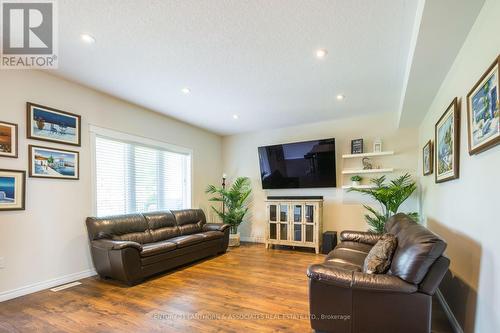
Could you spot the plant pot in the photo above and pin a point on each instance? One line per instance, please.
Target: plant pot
(355, 183)
(234, 240)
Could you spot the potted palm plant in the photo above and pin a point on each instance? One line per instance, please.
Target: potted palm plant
(235, 201)
(390, 196)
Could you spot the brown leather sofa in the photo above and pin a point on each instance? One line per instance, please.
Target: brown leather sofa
(344, 299)
(132, 247)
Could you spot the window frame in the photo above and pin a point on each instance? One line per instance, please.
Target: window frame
(105, 133)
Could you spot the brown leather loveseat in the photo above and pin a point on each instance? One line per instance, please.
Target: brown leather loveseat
(344, 299)
(132, 247)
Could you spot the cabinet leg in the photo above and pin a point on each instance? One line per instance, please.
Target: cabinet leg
(317, 250)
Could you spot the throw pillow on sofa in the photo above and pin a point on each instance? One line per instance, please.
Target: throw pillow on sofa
(379, 258)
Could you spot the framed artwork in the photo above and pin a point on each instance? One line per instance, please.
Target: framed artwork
(447, 141)
(8, 140)
(483, 112)
(12, 189)
(48, 124)
(428, 158)
(48, 162)
(377, 146)
(357, 146)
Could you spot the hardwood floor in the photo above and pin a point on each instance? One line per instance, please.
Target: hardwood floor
(245, 290)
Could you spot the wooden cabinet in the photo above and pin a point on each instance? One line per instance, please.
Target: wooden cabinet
(294, 223)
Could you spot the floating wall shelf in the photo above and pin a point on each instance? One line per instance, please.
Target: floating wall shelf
(382, 153)
(347, 187)
(353, 172)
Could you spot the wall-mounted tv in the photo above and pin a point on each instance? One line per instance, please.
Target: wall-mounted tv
(306, 164)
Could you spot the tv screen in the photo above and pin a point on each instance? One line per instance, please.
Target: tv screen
(298, 165)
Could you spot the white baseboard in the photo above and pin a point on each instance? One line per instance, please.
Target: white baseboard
(451, 317)
(32, 288)
(253, 239)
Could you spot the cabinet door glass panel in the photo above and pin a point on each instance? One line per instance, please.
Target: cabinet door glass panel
(297, 232)
(272, 231)
(283, 213)
(272, 213)
(309, 214)
(283, 231)
(309, 233)
(297, 213)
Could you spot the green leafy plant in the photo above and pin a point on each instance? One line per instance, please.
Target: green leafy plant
(356, 178)
(235, 201)
(390, 196)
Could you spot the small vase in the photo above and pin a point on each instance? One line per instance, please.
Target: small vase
(234, 240)
(355, 183)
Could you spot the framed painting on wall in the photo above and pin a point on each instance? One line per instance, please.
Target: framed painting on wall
(8, 140)
(428, 158)
(48, 124)
(447, 144)
(483, 112)
(12, 189)
(48, 162)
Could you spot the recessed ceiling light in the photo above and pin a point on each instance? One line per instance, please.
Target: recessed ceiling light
(186, 91)
(87, 38)
(340, 97)
(321, 53)
(235, 116)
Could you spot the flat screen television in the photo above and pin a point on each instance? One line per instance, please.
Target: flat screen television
(306, 164)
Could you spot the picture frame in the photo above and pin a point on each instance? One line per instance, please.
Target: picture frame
(12, 190)
(428, 158)
(447, 144)
(357, 146)
(377, 146)
(9, 140)
(52, 125)
(55, 163)
(483, 111)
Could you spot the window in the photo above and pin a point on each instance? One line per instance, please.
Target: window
(132, 176)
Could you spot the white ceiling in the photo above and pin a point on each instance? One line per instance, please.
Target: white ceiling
(435, 45)
(250, 58)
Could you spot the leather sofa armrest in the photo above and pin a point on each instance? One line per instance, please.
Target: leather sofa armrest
(108, 244)
(330, 275)
(358, 280)
(381, 282)
(215, 227)
(365, 237)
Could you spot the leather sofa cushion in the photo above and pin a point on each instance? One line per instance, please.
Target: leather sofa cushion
(186, 240)
(347, 257)
(162, 225)
(152, 249)
(379, 258)
(418, 248)
(354, 246)
(189, 221)
(130, 227)
(167, 256)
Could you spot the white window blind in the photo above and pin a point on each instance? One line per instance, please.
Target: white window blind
(131, 177)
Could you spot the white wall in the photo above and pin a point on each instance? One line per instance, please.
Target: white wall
(465, 211)
(48, 240)
(342, 210)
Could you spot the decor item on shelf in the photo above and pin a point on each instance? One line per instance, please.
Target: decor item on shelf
(356, 180)
(428, 158)
(48, 124)
(8, 140)
(235, 201)
(48, 162)
(483, 111)
(12, 189)
(357, 146)
(377, 146)
(366, 164)
(447, 140)
(390, 196)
